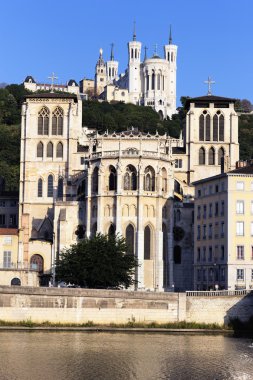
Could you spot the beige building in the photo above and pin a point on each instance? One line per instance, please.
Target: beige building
(71, 86)
(87, 87)
(223, 236)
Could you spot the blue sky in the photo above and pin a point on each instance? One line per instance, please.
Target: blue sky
(214, 39)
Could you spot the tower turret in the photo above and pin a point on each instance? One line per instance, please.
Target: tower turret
(112, 67)
(170, 54)
(134, 62)
(100, 74)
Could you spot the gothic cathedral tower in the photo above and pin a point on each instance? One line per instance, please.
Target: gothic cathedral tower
(134, 63)
(100, 76)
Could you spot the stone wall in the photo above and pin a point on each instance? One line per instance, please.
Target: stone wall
(110, 306)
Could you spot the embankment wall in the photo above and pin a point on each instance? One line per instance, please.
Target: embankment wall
(112, 306)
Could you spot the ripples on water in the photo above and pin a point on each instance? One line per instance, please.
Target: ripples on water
(119, 356)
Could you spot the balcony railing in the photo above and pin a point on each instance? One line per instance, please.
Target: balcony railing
(218, 293)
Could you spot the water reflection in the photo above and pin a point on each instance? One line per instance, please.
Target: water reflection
(113, 356)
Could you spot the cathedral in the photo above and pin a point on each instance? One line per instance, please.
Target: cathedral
(75, 182)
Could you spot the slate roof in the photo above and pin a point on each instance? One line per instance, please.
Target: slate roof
(52, 95)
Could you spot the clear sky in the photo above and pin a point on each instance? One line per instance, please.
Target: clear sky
(214, 38)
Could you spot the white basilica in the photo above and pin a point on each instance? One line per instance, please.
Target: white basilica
(151, 82)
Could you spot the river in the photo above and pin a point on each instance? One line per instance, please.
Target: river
(123, 356)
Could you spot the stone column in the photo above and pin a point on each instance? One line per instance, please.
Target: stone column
(170, 241)
(140, 231)
(99, 200)
(88, 202)
(118, 200)
(159, 237)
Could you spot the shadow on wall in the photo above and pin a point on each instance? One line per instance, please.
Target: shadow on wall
(240, 316)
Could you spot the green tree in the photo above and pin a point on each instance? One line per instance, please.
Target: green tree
(99, 262)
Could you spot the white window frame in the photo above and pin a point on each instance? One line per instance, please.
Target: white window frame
(239, 228)
(7, 240)
(239, 207)
(7, 259)
(240, 252)
(240, 185)
(240, 274)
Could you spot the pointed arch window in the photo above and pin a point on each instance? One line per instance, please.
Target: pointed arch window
(177, 254)
(50, 184)
(50, 149)
(215, 127)
(43, 121)
(204, 127)
(94, 229)
(112, 178)
(59, 150)
(130, 178)
(221, 128)
(40, 188)
(40, 150)
(57, 121)
(130, 239)
(147, 243)
(149, 179)
(95, 180)
(202, 158)
(211, 156)
(221, 155)
(153, 80)
(208, 128)
(158, 82)
(164, 180)
(60, 189)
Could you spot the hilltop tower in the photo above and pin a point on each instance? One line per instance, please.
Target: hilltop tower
(112, 67)
(100, 75)
(134, 66)
(170, 54)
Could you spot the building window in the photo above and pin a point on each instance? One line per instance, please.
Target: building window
(198, 232)
(59, 150)
(240, 207)
(251, 207)
(210, 254)
(199, 212)
(204, 211)
(210, 210)
(177, 254)
(204, 254)
(57, 121)
(211, 156)
(112, 230)
(40, 150)
(43, 121)
(130, 178)
(240, 252)
(240, 228)
(147, 243)
(251, 274)
(222, 208)
(251, 228)
(198, 274)
(240, 274)
(222, 229)
(210, 232)
(202, 158)
(210, 274)
(130, 239)
(2, 203)
(216, 208)
(239, 185)
(149, 179)
(7, 259)
(13, 220)
(221, 155)
(40, 188)
(204, 127)
(112, 178)
(178, 163)
(50, 150)
(198, 255)
(2, 219)
(204, 274)
(252, 252)
(50, 189)
(7, 240)
(95, 180)
(204, 231)
(60, 189)
(222, 256)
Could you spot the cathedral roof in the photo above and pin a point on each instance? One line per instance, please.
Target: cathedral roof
(30, 79)
(72, 82)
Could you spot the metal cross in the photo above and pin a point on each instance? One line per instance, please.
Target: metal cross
(209, 81)
(53, 77)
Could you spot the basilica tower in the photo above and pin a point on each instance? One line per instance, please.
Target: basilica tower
(100, 75)
(112, 67)
(170, 54)
(134, 63)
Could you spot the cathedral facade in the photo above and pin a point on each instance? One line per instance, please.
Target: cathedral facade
(148, 82)
(75, 182)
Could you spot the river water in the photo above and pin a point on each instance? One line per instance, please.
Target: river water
(123, 356)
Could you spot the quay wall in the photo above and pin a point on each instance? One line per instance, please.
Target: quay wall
(58, 305)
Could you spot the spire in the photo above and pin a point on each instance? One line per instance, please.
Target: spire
(112, 53)
(170, 38)
(134, 33)
(145, 56)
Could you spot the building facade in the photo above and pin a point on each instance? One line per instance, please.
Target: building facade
(223, 236)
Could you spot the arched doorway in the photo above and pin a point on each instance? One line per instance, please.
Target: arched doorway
(37, 263)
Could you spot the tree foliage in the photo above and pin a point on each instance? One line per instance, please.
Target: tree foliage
(101, 261)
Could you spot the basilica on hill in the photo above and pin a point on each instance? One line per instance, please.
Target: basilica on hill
(75, 182)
